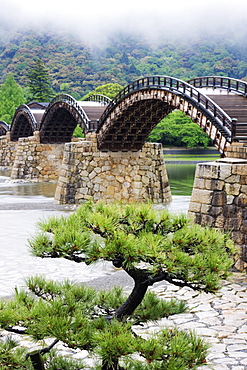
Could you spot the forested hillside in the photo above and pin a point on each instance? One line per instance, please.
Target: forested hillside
(77, 68)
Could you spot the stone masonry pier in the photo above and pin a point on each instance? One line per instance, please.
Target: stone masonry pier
(219, 197)
(83, 172)
(30, 160)
(87, 173)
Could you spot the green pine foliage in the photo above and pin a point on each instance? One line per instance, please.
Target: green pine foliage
(39, 82)
(149, 245)
(169, 245)
(12, 356)
(78, 316)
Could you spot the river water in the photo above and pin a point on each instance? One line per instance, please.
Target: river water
(23, 204)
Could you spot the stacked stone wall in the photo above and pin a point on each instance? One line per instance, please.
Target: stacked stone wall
(87, 173)
(7, 151)
(237, 150)
(35, 161)
(219, 199)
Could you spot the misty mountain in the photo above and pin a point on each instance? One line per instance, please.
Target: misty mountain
(77, 67)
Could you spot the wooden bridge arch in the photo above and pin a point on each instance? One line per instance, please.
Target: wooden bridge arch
(132, 114)
(23, 123)
(4, 128)
(124, 123)
(60, 119)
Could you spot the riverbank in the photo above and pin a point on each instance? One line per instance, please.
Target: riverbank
(177, 155)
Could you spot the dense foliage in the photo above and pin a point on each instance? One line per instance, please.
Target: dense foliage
(150, 246)
(110, 90)
(177, 129)
(171, 247)
(11, 96)
(39, 83)
(78, 68)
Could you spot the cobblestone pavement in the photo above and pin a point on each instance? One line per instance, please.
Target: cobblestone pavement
(220, 319)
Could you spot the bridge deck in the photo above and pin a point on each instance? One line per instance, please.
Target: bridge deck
(125, 122)
(236, 107)
(93, 111)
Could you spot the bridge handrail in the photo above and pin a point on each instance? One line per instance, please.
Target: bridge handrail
(5, 125)
(222, 82)
(26, 109)
(72, 102)
(177, 86)
(99, 98)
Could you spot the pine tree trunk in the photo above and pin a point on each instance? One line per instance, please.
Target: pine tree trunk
(129, 306)
(136, 296)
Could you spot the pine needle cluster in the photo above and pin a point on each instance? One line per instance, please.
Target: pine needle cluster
(171, 247)
(83, 318)
(150, 246)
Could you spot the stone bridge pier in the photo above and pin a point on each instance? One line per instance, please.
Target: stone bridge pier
(83, 172)
(31, 160)
(219, 197)
(87, 173)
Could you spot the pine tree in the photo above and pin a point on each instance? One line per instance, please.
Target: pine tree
(39, 83)
(150, 246)
(11, 96)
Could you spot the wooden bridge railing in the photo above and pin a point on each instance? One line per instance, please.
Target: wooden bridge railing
(99, 98)
(27, 110)
(73, 103)
(228, 83)
(187, 91)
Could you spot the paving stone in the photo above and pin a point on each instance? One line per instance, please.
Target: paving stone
(226, 360)
(221, 321)
(217, 367)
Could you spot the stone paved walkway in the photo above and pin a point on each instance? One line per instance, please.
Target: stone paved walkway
(220, 319)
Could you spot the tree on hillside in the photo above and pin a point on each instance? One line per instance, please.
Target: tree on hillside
(150, 246)
(11, 96)
(39, 82)
(179, 130)
(110, 90)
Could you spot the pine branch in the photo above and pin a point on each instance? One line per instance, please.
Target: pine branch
(173, 279)
(16, 330)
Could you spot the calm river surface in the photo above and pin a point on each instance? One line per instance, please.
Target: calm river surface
(22, 205)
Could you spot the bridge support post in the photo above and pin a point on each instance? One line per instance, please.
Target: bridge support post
(7, 151)
(219, 199)
(34, 161)
(86, 173)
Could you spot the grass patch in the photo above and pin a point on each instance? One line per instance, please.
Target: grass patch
(190, 157)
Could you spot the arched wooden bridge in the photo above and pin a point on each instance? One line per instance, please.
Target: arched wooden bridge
(217, 104)
(4, 128)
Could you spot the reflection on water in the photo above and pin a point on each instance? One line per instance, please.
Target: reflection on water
(181, 178)
(14, 191)
(21, 207)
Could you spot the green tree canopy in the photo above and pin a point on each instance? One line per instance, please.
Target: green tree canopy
(39, 82)
(11, 96)
(179, 130)
(110, 90)
(150, 246)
